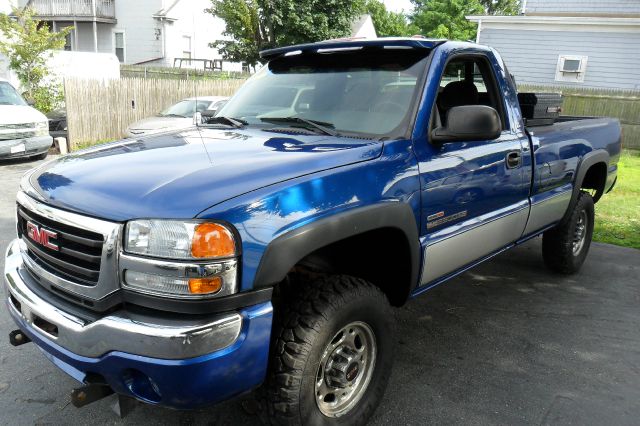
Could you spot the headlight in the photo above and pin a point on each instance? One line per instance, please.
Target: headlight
(170, 239)
(193, 259)
(42, 128)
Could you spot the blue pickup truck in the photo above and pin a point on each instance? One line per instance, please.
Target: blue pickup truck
(266, 247)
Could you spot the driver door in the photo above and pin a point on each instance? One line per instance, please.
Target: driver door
(474, 193)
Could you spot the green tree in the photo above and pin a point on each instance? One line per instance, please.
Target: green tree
(254, 25)
(28, 44)
(387, 23)
(446, 18)
(501, 7)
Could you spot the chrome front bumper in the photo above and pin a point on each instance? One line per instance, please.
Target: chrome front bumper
(145, 335)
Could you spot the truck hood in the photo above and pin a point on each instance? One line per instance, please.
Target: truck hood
(178, 175)
(20, 114)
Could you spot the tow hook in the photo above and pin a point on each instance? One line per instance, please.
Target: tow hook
(89, 393)
(17, 338)
(93, 392)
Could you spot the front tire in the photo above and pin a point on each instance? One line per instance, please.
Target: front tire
(565, 247)
(332, 354)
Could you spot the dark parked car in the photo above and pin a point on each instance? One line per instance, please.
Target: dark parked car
(58, 123)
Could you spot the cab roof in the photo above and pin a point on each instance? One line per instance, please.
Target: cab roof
(347, 43)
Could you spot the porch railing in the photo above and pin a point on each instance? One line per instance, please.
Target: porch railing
(77, 8)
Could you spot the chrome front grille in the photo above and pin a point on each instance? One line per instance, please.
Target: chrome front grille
(79, 252)
(17, 131)
(81, 260)
(17, 135)
(17, 126)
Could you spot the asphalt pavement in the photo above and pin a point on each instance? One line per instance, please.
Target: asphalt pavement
(506, 343)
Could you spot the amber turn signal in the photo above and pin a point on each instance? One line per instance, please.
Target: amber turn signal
(212, 240)
(205, 285)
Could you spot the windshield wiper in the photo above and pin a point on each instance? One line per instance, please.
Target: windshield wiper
(172, 115)
(229, 121)
(323, 126)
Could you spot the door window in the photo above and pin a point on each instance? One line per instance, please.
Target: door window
(468, 81)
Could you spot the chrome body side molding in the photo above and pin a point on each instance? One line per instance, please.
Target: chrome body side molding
(459, 245)
(548, 208)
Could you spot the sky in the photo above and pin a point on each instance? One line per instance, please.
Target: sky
(398, 5)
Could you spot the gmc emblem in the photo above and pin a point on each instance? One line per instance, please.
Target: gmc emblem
(42, 236)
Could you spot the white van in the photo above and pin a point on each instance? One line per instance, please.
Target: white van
(24, 131)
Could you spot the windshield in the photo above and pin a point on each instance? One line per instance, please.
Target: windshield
(185, 108)
(352, 92)
(9, 95)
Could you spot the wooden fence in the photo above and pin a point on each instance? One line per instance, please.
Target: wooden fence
(621, 104)
(102, 110)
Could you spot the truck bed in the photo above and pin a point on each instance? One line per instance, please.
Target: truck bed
(584, 134)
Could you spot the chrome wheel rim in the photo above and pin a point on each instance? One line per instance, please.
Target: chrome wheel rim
(580, 233)
(345, 370)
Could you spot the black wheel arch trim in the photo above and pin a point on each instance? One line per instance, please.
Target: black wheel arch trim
(589, 159)
(289, 248)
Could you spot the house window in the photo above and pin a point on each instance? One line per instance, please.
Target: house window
(186, 47)
(571, 68)
(119, 45)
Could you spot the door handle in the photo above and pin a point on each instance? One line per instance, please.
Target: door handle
(514, 159)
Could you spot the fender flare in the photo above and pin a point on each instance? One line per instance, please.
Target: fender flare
(588, 160)
(289, 248)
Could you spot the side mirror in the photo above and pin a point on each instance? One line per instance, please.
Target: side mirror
(197, 118)
(469, 123)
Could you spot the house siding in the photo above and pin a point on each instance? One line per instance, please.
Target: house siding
(532, 55)
(142, 40)
(203, 28)
(578, 7)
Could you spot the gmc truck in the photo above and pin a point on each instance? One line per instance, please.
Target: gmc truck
(266, 247)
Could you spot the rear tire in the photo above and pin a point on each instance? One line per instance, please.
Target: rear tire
(565, 247)
(332, 354)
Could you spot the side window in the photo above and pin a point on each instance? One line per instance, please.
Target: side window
(454, 71)
(468, 81)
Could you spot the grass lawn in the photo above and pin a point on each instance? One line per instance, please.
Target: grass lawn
(618, 212)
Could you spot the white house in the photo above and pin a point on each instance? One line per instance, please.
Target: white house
(152, 32)
(5, 73)
(583, 43)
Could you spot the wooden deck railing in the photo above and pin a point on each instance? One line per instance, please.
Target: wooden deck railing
(70, 8)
